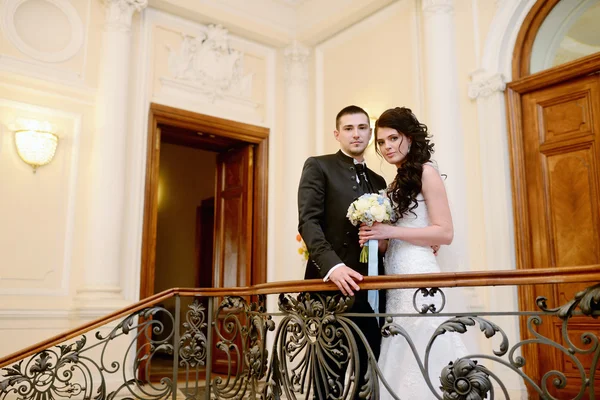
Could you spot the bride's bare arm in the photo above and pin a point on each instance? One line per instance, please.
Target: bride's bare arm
(439, 232)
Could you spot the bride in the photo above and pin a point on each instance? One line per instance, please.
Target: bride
(420, 201)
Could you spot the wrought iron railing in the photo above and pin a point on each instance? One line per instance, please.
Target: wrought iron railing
(224, 344)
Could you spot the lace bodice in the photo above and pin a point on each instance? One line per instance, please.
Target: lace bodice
(406, 258)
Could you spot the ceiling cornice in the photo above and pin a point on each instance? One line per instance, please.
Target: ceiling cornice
(276, 22)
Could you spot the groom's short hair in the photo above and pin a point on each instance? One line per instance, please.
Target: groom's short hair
(348, 111)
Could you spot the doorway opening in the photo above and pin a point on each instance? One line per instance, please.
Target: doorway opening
(205, 214)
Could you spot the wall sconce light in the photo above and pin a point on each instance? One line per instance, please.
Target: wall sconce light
(36, 143)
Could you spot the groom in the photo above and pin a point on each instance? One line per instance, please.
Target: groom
(329, 184)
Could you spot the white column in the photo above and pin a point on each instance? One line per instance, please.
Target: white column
(443, 119)
(298, 144)
(101, 290)
(488, 90)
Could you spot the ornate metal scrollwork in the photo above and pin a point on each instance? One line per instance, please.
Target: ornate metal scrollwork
(49, 372)
(460, 324)
(193, 343)
(465, 380)
(315, 353)
(314, 349)
(425, 308)
(72, 370)
(456, 383)
(242, 334)
(588, 303)
(587, 300)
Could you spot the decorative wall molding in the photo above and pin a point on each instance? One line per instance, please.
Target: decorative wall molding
(79, 95)
(68, 144)
(502, 34)
(208, 65)
(438, 6)
(296, 64)
(119, 13)
(7, 22)
(35, 314)
(42, 71)
(484, 84)
(55, 320)
(193, 97)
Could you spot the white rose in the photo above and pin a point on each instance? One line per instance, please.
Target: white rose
(378, 212)
(362, 204)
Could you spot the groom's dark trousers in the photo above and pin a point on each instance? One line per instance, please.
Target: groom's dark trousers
(327, 188)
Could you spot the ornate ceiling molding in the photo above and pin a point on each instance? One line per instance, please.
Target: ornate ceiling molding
(277, 22)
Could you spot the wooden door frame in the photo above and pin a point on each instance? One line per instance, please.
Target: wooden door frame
(214, 131)
(514, 93)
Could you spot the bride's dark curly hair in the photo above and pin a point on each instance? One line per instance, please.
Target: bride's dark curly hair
(407, 185)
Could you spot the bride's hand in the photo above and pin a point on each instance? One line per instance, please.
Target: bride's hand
(376, 232)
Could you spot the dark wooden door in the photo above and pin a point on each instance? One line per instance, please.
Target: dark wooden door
(233, 236)
(561, 139)
(205, 226)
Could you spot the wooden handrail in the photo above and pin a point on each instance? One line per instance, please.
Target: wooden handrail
(60, 338)
(589, 273)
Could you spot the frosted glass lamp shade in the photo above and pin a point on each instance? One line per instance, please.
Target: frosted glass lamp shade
(36, 148)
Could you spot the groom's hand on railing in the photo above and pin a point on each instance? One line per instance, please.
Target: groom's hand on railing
(345, 279)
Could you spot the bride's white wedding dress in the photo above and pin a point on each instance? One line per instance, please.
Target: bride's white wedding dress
(397, 361)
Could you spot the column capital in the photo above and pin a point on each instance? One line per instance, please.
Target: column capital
(296, 63)
(484, 84)
(438, 6)
(119, 13)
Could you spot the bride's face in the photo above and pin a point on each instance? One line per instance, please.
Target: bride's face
(393, 145)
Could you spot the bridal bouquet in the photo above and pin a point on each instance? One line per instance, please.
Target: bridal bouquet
(367, 209)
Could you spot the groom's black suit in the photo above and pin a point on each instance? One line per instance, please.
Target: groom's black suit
(327, 188)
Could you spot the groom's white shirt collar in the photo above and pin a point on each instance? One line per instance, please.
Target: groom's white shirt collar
(354, 159)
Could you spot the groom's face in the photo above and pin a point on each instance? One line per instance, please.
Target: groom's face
(353, 133)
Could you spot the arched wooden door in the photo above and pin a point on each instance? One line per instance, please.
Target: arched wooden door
(554, 123)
